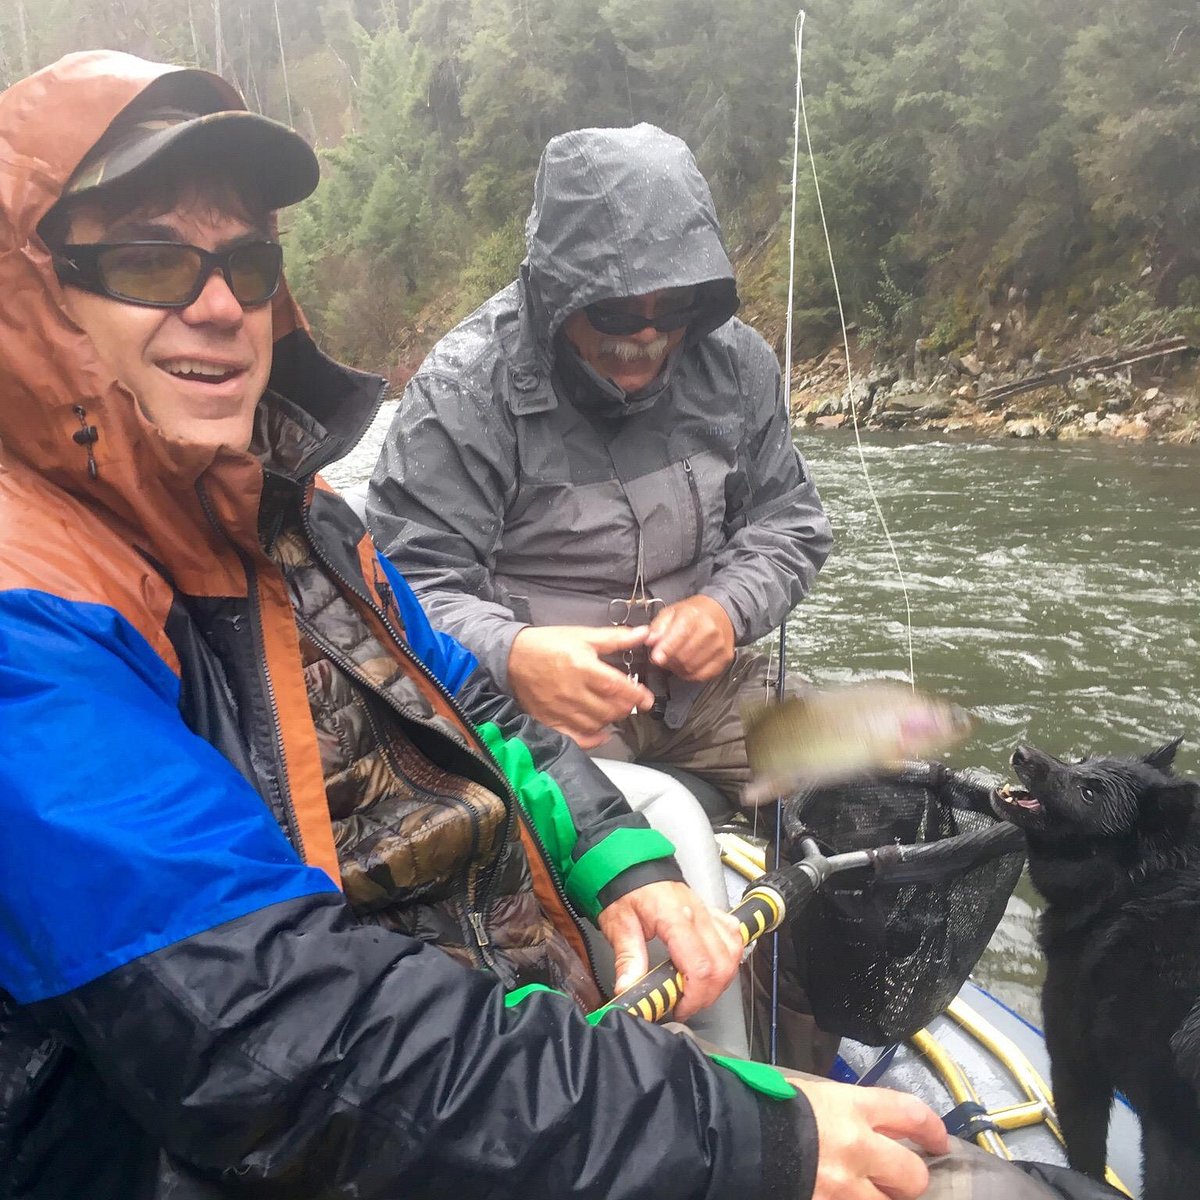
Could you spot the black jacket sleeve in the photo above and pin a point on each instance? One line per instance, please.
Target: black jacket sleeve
(294, 1049)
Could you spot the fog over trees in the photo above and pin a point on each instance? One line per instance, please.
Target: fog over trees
(967, 148)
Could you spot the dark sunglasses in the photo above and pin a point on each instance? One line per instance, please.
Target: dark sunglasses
(617, 323)
(170, 274)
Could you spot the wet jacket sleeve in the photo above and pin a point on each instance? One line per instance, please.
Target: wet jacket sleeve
(446, 533)
(778, 533)
(600, 848)
(152, 913)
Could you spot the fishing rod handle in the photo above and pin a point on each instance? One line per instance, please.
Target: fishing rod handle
(655, 995)
(763, 908)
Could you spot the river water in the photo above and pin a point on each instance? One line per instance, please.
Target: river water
(1054, 590)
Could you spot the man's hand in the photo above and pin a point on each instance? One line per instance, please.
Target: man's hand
(557, 676)
(692, 638)
(703, 943)
(859, 1155)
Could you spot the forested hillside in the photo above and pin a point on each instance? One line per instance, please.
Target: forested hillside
(969, 150)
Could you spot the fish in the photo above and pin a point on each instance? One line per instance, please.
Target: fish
(831, 735)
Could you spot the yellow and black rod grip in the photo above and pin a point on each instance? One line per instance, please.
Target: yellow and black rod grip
(760, 910)
(655, 995)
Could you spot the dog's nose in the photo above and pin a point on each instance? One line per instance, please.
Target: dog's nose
(1019, 755)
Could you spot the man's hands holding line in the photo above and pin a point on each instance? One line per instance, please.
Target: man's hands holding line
(558, 675)
(692, 638)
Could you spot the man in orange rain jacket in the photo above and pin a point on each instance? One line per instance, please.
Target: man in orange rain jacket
(289, 902)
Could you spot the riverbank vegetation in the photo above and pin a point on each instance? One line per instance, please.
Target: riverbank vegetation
(1003, 180)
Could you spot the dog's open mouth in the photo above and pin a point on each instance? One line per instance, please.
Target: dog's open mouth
(1018, 797)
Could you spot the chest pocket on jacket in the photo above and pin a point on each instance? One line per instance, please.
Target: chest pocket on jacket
(683, 509)
(569, 524)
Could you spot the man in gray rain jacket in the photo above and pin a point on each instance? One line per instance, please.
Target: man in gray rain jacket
(591, 481)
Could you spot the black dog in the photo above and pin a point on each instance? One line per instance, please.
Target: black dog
(1114, 847)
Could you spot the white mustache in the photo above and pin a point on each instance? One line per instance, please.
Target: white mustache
(629, 352)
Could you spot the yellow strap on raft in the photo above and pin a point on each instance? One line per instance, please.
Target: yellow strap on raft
(1028, 1079)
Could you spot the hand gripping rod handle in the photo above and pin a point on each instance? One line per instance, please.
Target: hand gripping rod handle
(764, 907)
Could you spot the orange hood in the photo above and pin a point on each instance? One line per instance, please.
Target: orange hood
(146, 483)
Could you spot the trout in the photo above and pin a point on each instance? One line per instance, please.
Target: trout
(829, 736)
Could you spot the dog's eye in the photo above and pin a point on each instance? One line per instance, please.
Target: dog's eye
(1087, 794)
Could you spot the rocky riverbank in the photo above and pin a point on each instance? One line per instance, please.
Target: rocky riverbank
(1155, 396)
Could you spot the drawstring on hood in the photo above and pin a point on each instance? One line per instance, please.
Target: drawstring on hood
(87, 435)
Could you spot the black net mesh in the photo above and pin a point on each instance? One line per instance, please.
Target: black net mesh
(881, 960)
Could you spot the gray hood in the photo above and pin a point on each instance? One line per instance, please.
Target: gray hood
(622, 212)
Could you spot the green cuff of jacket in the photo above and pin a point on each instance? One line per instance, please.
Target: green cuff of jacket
(513, 998)
(594, 1018)
(542, 801)
(760, 1076)
(607, 859)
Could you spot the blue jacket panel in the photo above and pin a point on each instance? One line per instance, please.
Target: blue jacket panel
(449, 660)
(158, 835)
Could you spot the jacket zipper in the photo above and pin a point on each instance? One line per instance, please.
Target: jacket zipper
(693, 487)
(555, 878)
(476, 938)
(285, 791)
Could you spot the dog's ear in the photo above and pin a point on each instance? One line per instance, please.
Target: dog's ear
(1168, 814)
(1162, 758)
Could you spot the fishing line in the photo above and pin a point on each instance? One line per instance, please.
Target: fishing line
(781, 676)
(800, 110)
(802, 114)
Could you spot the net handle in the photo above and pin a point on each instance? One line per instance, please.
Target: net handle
(771, 899)
(931, 861)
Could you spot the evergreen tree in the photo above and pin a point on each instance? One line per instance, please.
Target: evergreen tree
(965, 148)
(1134, 91)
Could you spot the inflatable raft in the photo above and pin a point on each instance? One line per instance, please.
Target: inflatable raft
(979, 1064)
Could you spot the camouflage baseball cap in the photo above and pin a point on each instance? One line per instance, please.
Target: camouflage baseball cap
(269, 158)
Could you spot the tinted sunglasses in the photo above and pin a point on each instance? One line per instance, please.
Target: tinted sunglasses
(617, 323)
(170, 274)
